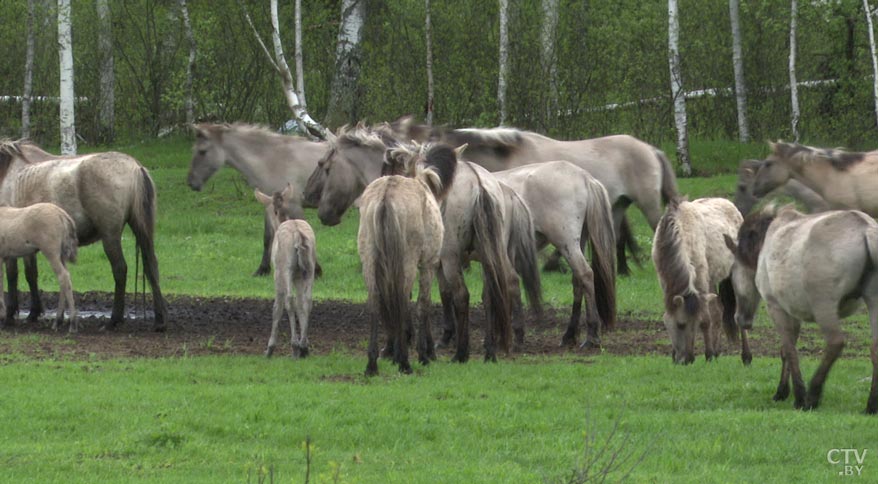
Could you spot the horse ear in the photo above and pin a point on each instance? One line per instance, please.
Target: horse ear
(262, 198)
(730, 243)
(678, 301)
(200, 131)
(458, 152)
(288, 191)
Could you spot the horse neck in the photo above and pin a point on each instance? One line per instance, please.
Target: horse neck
(9, 182)
(365, 163)
(249, 155)
(815, 174)
(36, 154)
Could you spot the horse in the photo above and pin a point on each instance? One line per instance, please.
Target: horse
(631, 170)
(268, 161)
(102, 192)
(570, 207)
(691, 262)
(294, 257)
(745, 200)
(485, 220)
(399, 238)
(845, 180)
(46, 228)
(816, 267)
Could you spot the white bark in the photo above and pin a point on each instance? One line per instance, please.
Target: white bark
(738, 62)
(65, 51)
(343, 92)
(677, 92)
(868, 11)
(504, 59)
(549, 64)
(106, 110)
(300, 69)
(428, 33)
(794, 90)
(28, 72)
(190, 67)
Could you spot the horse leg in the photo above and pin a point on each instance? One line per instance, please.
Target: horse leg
(65, 292)
(30, 274)
(151, 270)
(303, 313)
(783, 387)
(788, 327)
(11, 299)
(517, 312)
(426, 347)
(113, 250)
(446, 294)
(746, 356)
(621, 258)
(267, 238)
(6, 318)
(277, 312)
(872, 305)
(460, 298)
(490, 341)
(372, 365)
(583, 289)
(834, 344)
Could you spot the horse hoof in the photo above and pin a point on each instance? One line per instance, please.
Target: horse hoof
(405, 368)
(458, 358)
(569, 341)
(262, 271)
(747, 359)
(160, 329)
(589, 345)
(269, 352)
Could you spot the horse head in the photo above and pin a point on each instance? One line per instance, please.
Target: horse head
(208, 154)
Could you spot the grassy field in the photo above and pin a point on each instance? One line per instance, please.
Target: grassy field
(227, 419)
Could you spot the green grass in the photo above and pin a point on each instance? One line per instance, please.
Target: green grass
(213, 419)
(220, 419)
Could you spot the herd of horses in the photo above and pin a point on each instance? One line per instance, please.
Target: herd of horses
(431, 200)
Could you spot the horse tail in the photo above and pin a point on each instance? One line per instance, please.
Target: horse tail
(142, 222)
(305, 261)
(871, 237)
(69, 240)
(523, 249)
(727, 298)
(495, 264)
(669, 179)
(598, 229)
(626, 238)
(388, 252)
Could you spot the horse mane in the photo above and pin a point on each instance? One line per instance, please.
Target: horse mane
(433, 163)
(497, 138)
(9, 150)
(672, 264)
(377, 137)
(840, 159)
(751, 234)
(245, 129)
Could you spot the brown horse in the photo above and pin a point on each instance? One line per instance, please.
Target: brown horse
(294, 257)
(691, 262)
(268, 161)
(399, 238)
(817, 267)
(47, 228)
(102, 192)
(631, 170)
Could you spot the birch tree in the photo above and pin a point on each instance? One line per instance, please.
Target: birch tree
(190, 67)
(738, 63)
(868, 11)
(107, 100)
(794, 88)
(428, 33)
(504, 59)
(677, 93)
(28, 71)
(279, 63)
(548, 60)
(300, 69)
(345, 82)
(65, 51)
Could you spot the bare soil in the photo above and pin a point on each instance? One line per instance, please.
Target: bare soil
(201, 326)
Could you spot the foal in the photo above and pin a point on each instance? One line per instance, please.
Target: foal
(294, 257)
(47, 228)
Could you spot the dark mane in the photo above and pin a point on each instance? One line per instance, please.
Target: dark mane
(9, 151)
(501, 142)
(443, 160)
(751, 235)
(377, 137)
(672, 265)
(839, 159)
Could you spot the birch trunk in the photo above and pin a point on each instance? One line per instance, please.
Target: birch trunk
(345, 82)
(190, 67)
(677, 92)
(794, 89)
(28, 72)
(300, 69)
(107, 101)
(428, 33)
(504, 59)
(549, 65)
(738, 62)
(65, 51)
(868, 10)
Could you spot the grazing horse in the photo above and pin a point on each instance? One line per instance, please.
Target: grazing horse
(268, 161)
(845, 180)
(47, 228)
(102, 192)
(631, 170)
(815, 267)
(294, 257)
(745, 200)
(400, 237)
(691, 262)
(570, 207)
